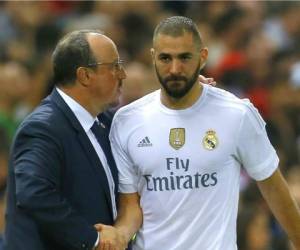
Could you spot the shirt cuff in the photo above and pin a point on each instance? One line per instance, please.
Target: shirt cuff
(97, 241)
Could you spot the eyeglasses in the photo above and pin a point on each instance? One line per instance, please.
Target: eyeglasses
(117, 65)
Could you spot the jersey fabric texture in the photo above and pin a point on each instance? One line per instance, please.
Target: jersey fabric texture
(185, 165)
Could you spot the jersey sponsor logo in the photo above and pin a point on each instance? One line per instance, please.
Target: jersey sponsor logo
(210, 140)
(179, 176)
(177, 137)
(145, 142)
(180, 182)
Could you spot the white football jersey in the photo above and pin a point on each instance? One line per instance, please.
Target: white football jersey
(185, 165)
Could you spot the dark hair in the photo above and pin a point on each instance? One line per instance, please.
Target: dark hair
(176, 26)
(71, 52)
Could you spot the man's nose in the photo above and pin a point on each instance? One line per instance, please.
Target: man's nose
(175, 67)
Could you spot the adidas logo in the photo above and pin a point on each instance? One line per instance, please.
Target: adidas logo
(145, 142)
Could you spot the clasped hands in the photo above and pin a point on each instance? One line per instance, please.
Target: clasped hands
(110, 238)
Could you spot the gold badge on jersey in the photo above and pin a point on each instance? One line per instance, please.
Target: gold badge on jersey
(177, 137)
(210, 140)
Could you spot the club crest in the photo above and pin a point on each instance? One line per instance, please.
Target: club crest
(177, 137)
(210, 140)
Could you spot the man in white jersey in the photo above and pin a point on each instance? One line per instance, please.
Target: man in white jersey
(179, 151)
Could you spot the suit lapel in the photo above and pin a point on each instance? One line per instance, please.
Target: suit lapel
(85, 143)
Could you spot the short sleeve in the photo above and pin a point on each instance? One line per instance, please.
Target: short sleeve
(127, 175)
(254, 150)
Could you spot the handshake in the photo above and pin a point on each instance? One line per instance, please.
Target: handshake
(111, 238)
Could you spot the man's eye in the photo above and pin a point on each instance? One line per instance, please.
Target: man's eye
(185, 58)
(117, 66)
(164, 59)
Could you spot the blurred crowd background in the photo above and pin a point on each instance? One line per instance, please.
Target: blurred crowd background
(254, 51)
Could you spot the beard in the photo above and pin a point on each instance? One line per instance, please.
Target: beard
(175, 89)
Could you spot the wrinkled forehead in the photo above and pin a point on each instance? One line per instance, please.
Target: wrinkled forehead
(170, 44)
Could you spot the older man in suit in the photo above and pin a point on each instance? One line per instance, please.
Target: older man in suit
(62, 176)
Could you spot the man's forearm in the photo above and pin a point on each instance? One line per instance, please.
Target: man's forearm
(276, 192)
(130, 215)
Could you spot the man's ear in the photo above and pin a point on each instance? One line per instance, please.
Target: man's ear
(203, 56)
(152, 55)
(83, 76)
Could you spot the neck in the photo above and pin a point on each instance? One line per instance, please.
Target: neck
(80, 96)
(184, 102)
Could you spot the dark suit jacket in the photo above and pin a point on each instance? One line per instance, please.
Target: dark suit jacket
(57, 187)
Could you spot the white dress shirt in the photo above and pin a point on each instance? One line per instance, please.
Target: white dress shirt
(86, 120)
